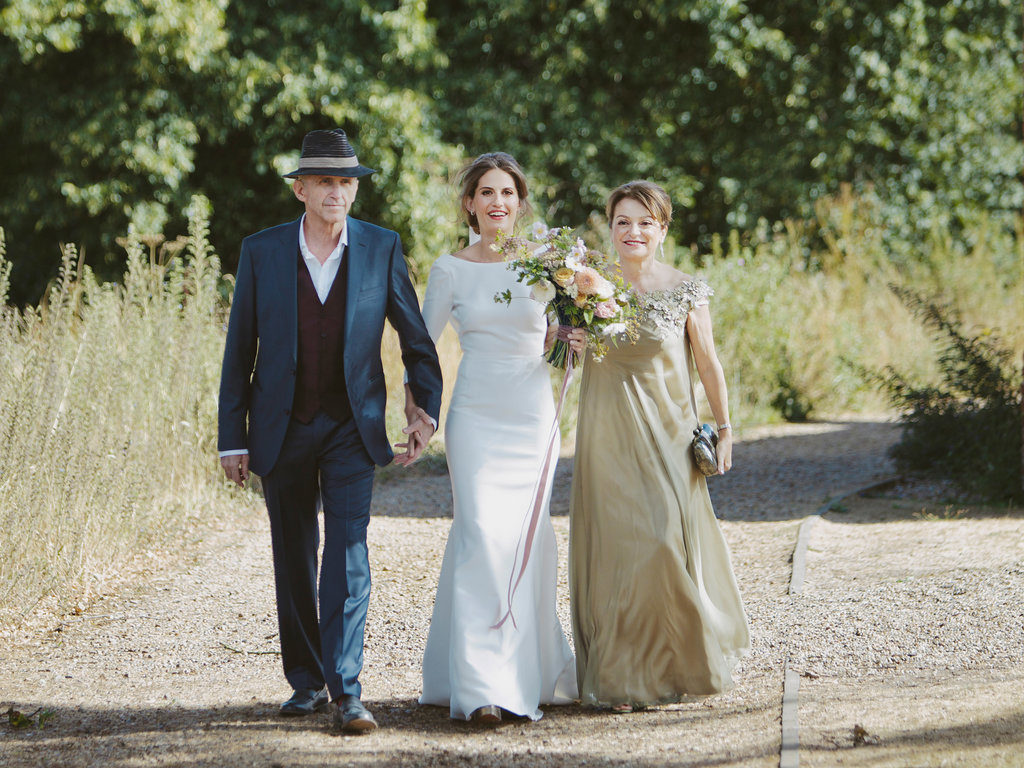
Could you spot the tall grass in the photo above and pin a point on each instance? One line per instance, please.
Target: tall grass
(108, 392)
(107, 419)
(791, 318)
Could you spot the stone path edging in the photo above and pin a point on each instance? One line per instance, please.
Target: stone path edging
(789, 754)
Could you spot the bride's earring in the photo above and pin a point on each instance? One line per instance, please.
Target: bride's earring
(661, 250)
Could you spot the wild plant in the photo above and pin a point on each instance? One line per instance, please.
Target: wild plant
(107, 420)
(795, 305)
(966, 428)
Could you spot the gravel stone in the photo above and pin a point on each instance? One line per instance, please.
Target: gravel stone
(180, 667)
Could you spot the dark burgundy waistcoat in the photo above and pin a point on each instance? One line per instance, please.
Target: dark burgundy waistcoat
(320, 378)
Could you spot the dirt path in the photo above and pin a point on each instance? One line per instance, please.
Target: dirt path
(182, 671)
(910, 637)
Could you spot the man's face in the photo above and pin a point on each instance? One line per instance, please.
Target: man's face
(327, 198)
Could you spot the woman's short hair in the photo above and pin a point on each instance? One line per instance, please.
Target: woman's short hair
(650, 195)
(469, 178)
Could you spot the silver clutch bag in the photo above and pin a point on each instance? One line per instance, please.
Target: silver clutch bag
(703, 447)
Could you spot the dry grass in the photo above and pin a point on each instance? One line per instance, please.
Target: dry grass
(107, 422)
(108, 393)
(796, 321)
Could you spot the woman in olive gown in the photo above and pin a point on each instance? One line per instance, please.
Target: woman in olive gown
(657, 615)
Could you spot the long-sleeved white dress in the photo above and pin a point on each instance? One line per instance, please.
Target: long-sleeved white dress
(496, 432)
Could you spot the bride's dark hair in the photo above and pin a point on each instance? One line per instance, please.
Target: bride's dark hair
(469, 178)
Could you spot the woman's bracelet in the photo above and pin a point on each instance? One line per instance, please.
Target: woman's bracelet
(727, 425)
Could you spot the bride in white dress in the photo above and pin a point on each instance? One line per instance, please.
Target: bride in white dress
(495, 437)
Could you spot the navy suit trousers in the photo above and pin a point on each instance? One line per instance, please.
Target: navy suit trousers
(321, 639)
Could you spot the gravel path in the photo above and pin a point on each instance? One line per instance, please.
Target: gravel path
(910, 637)
(182, 670)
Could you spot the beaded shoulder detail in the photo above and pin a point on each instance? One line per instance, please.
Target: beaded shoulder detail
(667, 310)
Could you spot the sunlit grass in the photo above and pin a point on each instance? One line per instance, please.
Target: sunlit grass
(107, 422)
(108, 393)
(794, 321)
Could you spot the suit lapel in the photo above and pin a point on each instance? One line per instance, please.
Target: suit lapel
(289, 277)
(358, 253)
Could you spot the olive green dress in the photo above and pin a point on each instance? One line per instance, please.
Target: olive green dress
(657, 616)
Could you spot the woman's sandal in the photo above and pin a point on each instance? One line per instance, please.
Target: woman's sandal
(621, 709)
(489, 715)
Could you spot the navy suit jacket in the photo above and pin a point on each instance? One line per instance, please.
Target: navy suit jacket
(261, 354)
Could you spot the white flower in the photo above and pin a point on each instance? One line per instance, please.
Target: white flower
(543, 291)
(539, 230)
(614, 329)
(605, 289)
(572, 291)
(577, 258)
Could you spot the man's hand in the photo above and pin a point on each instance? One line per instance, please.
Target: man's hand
(236, 468)
(420, 430)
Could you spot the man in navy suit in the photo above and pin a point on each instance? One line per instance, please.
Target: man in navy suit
(302, 400)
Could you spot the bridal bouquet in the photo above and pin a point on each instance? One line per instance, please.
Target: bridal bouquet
(578, 284)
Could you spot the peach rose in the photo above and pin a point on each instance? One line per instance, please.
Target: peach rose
(607, 308)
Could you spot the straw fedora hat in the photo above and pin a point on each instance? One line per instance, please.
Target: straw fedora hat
(328, 153)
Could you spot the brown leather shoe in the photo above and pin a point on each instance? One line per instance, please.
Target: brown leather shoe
(350, 716)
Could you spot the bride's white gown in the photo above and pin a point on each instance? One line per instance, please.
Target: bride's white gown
(495, 433)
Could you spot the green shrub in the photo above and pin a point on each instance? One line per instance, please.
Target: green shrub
(968, 428)
(796, 302)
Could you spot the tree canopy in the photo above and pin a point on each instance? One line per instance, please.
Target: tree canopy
(748, 109)
(116, 112)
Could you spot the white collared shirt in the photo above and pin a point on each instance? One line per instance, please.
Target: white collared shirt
(323, 275)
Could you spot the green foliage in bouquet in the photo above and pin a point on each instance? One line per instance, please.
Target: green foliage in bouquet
(576, 283)
(967, 428)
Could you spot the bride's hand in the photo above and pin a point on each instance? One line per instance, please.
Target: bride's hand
(549, 338)
(577, 339)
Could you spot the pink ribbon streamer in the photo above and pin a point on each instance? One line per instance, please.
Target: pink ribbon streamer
(538, 495)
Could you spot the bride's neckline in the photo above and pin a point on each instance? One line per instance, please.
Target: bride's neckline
(469, 261)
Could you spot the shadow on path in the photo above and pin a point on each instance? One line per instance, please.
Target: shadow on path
(410, 735)
(951, 744)
(784, 475)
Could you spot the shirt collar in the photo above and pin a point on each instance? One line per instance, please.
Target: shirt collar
(308, 254)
